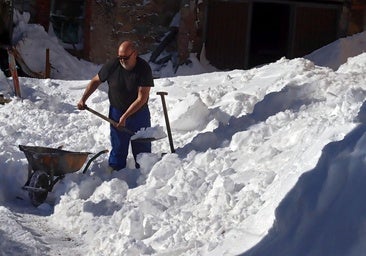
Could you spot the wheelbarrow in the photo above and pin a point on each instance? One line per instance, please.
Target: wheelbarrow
(46, 166)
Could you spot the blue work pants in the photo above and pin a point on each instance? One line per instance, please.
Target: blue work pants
(120, 140)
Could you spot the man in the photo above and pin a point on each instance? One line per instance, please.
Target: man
(129, 80)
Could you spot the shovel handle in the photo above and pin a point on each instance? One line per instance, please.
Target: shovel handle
(101, 116)
(114, 123)
(162, 94)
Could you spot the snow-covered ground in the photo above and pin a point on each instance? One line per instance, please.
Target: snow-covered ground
(268, 161)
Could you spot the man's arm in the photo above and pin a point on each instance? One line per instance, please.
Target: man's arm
(142, 98)
(92, 86)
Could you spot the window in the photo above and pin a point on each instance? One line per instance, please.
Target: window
(67, 17)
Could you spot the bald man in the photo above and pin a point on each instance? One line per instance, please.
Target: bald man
(129, 79)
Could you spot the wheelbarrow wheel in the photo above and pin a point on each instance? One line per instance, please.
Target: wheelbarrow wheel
(40, 184)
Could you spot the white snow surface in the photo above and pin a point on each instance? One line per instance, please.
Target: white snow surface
(268, 161)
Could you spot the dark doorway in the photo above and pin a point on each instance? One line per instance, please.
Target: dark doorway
(269, 34)
(6, 23)
(6, 29)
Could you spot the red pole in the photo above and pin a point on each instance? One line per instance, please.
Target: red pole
(14, 72)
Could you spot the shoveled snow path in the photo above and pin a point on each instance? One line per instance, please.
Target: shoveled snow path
(35, 235)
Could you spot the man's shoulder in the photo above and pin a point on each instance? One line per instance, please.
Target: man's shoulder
(142, 63)
(112, 63)
(107, 69)
(145, 72)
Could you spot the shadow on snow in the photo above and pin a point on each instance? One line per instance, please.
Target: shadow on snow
(325, 212)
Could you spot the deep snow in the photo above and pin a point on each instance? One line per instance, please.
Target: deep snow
(269, 161)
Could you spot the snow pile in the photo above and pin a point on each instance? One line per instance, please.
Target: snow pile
(156, 132)
(339, 51)
(32, 41)
(269, 161)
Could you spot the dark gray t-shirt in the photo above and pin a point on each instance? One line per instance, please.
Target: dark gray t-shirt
(123, 84)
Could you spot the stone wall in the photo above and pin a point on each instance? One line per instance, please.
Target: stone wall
(113, 21)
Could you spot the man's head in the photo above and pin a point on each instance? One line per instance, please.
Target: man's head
(127, 55)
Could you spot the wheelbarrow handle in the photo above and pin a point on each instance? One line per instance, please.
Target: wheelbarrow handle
(114, 123)
(93, 158)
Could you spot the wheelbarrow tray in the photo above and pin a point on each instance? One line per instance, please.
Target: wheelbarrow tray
(46, 166)
(54, 161)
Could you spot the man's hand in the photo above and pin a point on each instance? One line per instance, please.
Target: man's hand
(91, 87)
(122, 121)
(81, 105)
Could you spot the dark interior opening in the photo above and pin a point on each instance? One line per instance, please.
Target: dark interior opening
(67, 18)
(269, 33)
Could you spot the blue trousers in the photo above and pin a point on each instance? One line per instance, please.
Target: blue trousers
(120, 140)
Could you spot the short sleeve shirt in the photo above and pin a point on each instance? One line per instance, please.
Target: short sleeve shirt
(123, 84)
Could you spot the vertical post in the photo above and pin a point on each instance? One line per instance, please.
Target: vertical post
(48, 65)
(162, 94)
(14, 72)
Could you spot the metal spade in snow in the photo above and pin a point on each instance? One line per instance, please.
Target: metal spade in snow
(141, 136)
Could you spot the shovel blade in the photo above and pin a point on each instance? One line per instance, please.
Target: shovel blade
(145, 139)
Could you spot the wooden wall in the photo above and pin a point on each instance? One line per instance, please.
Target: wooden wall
(236, 35)
(226, 34)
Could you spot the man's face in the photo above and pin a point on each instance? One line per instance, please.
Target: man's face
(127, 57)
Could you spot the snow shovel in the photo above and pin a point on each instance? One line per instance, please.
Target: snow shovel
(140, 138)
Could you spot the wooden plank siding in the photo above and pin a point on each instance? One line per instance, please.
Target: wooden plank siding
(315, 27)
(226, 34)
(241, 34)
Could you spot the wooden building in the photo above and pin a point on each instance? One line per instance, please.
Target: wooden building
(236, 34)
(243, 34)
